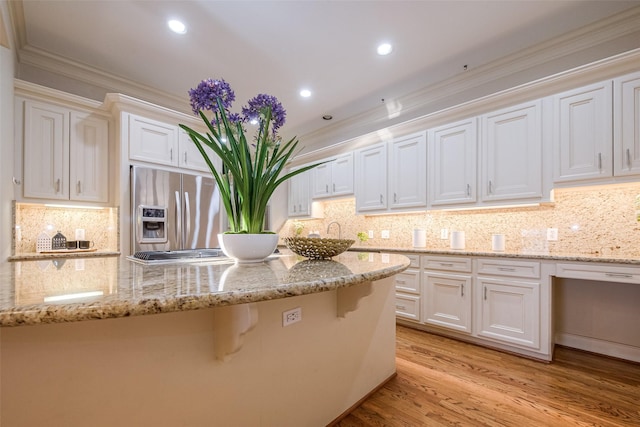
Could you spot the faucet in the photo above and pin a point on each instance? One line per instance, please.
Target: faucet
(339, 228)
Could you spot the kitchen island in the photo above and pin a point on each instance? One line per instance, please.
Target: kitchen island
(106, 341)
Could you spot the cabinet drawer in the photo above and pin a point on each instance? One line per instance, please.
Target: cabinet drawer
(498, 267)
(447, 263)
(408, 281)
(605, 273)
(415, 260)
(408, 306)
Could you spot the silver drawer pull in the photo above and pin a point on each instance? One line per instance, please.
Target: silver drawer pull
(446, 264)
(462, 290)
(400, 307)
(400, 282)
(506, 269)
(619, 275)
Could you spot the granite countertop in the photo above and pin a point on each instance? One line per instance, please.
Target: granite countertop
(554, 256)
(62, 254)
(68, 290)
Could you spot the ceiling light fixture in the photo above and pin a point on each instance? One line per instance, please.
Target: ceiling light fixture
(177, 26)
(327, 117)
(305, 93)
(384, 49)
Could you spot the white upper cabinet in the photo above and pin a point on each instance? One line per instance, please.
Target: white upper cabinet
(334, 178)
(626, 113)
(452, 160)
(299, 200)
(65, 154)
(190, 157)
(46, 151)
(394, 177)
(408, 172)
(89, 158)
(511, 153)
(153, 141)
(582, 133)
(371, 178)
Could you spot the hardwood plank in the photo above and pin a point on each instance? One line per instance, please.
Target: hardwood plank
(444, 382)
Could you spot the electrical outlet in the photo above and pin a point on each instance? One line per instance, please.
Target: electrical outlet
(384, 234)
(371, 234)
(292, 316)
(552, 234)
(444, 234)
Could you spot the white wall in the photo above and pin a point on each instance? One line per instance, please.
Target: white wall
(6, 134)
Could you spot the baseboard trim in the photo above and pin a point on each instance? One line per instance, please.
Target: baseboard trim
(359, 402)
(594, 345)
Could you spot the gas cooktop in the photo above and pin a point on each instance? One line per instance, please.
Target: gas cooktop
(185, 255)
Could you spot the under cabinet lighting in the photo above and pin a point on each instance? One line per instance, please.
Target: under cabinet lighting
(74, 207)
(78, 295)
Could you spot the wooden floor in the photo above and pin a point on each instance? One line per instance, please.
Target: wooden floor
(442, 382)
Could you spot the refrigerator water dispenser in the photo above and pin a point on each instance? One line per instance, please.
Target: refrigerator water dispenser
(152, 224)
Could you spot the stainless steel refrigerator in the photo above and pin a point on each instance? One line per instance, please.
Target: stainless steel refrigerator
(173, 211)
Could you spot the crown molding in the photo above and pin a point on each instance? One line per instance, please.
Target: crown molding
(608, 68)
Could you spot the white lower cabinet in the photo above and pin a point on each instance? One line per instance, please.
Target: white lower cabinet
(408, 290)
(494, 301)
(509, 311)
(447, 292)
(447, 301)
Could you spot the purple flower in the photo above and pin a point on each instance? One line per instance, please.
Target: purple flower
(205, 95)
(256, 107)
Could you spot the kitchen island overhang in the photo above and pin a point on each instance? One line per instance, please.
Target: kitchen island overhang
(206, 360)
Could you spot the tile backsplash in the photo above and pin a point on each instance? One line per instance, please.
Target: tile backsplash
(590, 220)
(100, 225)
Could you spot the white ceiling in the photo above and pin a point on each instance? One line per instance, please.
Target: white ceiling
(279, 47)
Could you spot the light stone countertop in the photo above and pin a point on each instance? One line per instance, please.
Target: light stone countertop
(594, 257)
(68, 290)
(61, 254)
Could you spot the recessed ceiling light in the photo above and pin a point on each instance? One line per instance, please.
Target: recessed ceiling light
(327, 117)
(385, 49)
(177, 26)
(305, 93)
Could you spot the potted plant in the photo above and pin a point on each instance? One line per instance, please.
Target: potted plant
(253, 163)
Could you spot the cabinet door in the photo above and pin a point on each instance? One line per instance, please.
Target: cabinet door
(511, 147)
(626, 115)
(190, 157)
(447, 301)
(582, 133)
(408, 172)
(509, 311)
(299, 200)
(46, 151)
(342, 175)
(89, 154)
(153, 141)
(452, 163)
(371, 178)
(321, 180)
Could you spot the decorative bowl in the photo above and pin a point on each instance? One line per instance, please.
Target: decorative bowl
(316, 248)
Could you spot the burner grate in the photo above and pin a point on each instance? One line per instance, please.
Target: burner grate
(182, 254)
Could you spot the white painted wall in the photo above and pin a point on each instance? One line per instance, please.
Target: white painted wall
(7, 63)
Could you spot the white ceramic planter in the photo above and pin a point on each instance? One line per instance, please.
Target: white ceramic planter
(245, 248)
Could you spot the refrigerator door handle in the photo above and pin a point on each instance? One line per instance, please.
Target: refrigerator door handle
(187, 214)
(178, 220)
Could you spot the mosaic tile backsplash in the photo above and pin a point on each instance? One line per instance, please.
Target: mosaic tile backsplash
(590, 220)
(100, 225)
